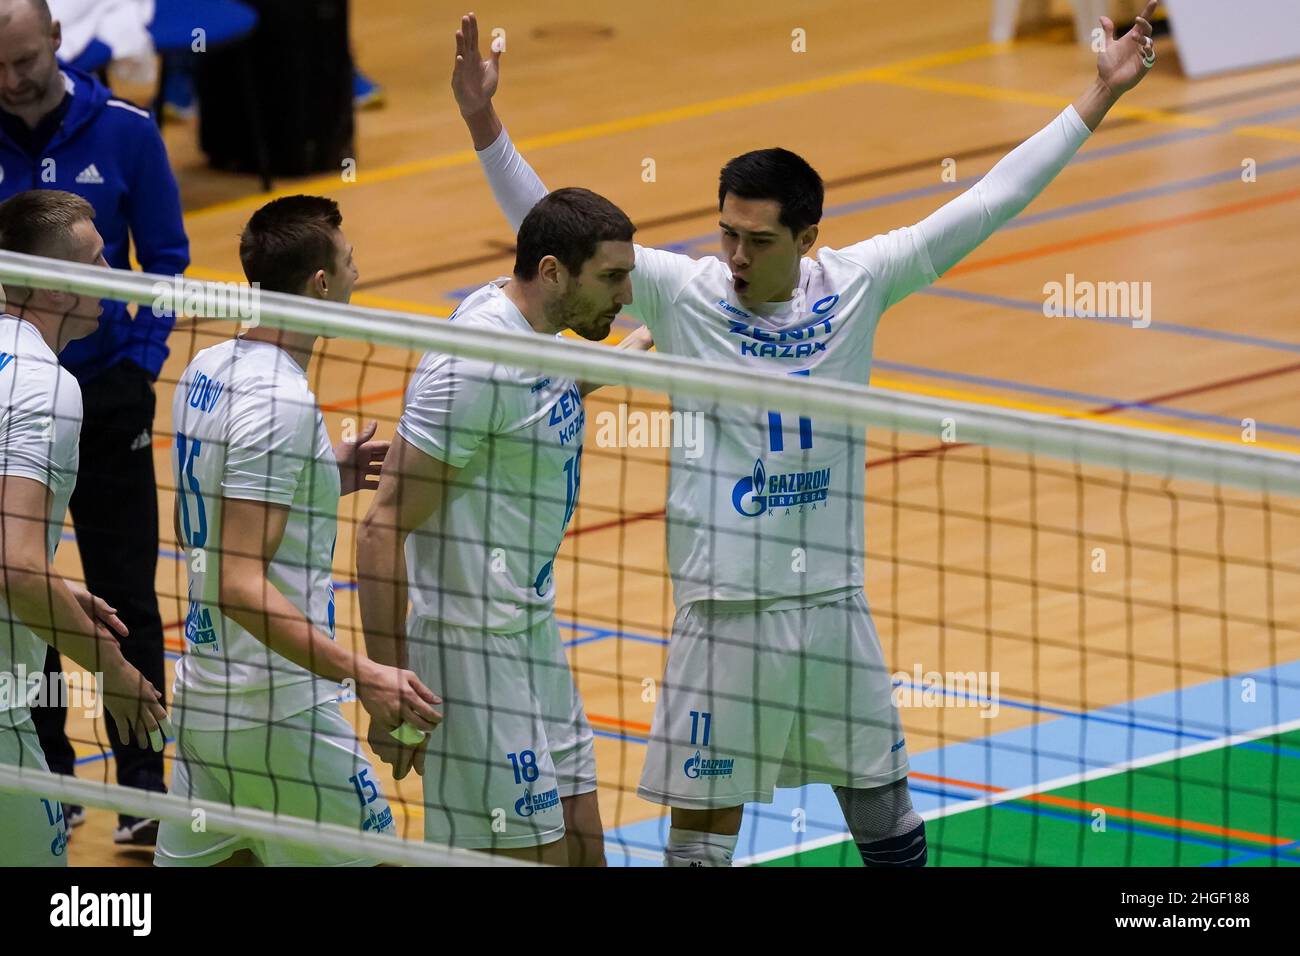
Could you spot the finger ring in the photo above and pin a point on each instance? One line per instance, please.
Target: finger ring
(1149, 58)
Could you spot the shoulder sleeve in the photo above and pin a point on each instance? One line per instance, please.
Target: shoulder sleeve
(657, 280)
(40, 427)
(897, 261)
(515, 186)
(269, 441)
(911, 258)
(451, 407)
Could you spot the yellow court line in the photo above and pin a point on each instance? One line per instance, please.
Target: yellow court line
(579, 134)
(1270, 132)
(360, 298)
(1144, 114)
(1064, 412)
(1000, 94)
(952, 57)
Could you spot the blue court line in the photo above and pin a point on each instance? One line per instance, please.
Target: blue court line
(1184, 185)
(1131, 722)
(1168, 328)
(1176, 836)
(1082, 158)
(1233, 861)
(1060, 747)
(1116, 718)
(1083, 397)
(1149, 192)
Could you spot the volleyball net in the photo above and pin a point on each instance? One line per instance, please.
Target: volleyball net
(1090, 630)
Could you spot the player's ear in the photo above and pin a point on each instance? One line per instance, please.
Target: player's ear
(550, 273)
(806, 239)
(318, 286)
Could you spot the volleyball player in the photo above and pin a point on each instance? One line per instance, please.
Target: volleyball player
(258, 486)
(775, 674)
(40, 423)
(478, 488)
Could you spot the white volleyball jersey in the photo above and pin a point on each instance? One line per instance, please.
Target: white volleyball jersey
(248, 427)
(772, 507)
(772, 510)
(485, 556)
(40, 425)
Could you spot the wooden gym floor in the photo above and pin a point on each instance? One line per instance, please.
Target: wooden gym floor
(879, 101)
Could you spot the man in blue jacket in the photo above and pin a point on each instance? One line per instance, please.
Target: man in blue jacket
(61, 129)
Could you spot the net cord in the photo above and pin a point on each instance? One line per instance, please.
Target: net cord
(243, 821)
(1084, 442)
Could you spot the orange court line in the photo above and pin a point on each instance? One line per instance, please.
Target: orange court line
(348, 404)
(1192, 826)
(619, 722)
(1137, 229)
(1071, 804)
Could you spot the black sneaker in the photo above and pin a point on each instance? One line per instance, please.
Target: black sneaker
(74, 815)
(134, 831)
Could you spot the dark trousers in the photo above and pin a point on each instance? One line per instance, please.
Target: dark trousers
(115, 511)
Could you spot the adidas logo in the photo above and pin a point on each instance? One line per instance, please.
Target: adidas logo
(90, 176)
(141, 441)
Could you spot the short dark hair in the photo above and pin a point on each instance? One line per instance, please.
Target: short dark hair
(288, 240)
(568, 224)
(39, 222)
(780, 175)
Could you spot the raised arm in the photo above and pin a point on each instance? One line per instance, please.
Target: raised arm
(912, 258)
(474, 82)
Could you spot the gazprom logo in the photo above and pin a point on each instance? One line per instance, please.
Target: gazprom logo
(697, 766)
(760, 492)
(747, 497)
(531, 803)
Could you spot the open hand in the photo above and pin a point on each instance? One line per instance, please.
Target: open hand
(1124, 61)
(474, 79)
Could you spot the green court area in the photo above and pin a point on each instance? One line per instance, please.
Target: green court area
(1232, 806)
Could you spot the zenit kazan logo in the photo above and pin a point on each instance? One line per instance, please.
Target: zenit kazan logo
(760, 492)
(789, 343)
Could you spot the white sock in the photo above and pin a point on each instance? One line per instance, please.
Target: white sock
(693, 848)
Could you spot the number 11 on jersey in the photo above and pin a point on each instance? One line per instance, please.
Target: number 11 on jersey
(697, 718)
(776, 434)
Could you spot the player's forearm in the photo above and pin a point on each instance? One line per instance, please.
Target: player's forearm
(962, 224)
(42, 600)
(515, 185)
(1094, 103)
(484, 126)
(381, 589)
(256, 605)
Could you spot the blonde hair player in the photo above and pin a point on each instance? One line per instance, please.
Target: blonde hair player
(776, 677)
(40, 424)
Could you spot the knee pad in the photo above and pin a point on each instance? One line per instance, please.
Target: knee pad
(886, 829)
(694, 848)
